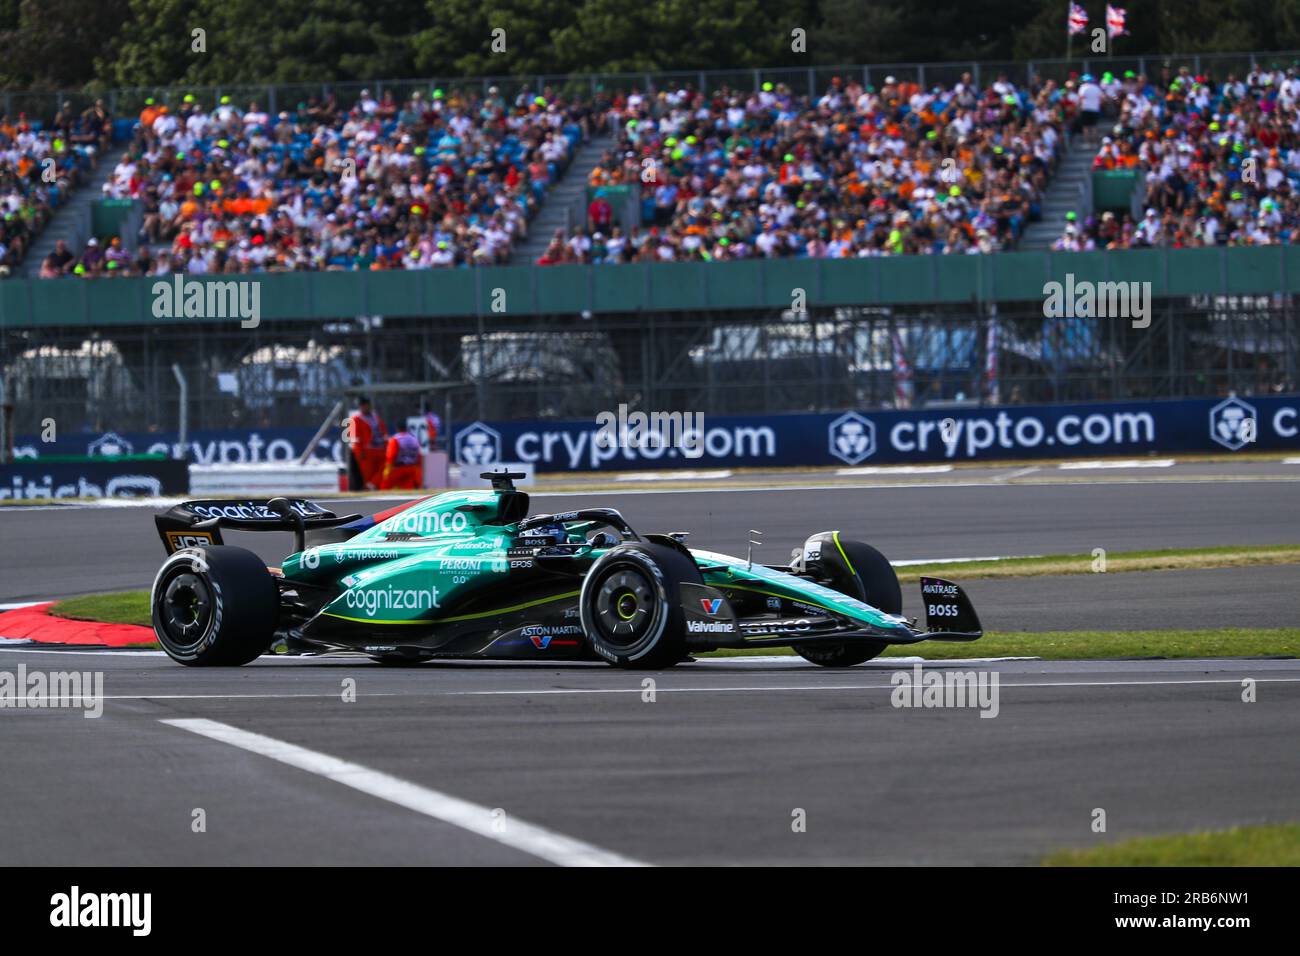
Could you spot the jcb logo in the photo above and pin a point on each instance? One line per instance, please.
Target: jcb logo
(177, 540)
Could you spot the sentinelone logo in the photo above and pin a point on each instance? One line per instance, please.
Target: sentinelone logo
(853, 436)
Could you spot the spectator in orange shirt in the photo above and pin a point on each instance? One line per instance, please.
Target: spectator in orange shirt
(369, 435)
(403, 466)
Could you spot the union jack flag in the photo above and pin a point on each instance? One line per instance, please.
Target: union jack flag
(1077, 21)
(1115, 17)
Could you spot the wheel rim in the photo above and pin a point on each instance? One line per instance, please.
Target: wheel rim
(186, 608)
(623, 604)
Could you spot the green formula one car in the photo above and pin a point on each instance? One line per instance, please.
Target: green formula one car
(469, 574)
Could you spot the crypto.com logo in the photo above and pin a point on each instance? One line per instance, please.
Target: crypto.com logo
(110, 444)
(852, 438)
(477, 444)
(1233, 423)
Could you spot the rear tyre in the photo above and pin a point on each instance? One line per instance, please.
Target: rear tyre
(214, 607)
(880, 584)
(630, 605)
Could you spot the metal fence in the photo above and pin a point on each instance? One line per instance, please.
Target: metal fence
(715, 362)
(810, 81)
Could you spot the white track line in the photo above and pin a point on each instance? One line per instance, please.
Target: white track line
(684, 475)
(782, 688)
(993, 557)
(517, 834)
(734, 689)
(1018, 473)
(957, 482)
(896, 470)
(1126, 463)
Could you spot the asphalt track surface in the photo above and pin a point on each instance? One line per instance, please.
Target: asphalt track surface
(60, 551)
(712, 771)
(481, 764)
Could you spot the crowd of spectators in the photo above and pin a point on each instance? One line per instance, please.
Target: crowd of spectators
(449, 178)
(1218, 160)
(441, 179)
(39, 165)
(859, 171)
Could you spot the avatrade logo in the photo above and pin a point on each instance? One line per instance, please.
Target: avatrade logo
(937, 588)
(711, 605)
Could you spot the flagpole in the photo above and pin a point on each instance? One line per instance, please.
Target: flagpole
(1069, 36)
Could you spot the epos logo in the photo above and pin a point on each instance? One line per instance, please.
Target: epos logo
(852, 438)
(477, 444)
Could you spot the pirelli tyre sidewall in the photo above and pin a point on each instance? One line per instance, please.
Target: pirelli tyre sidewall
(214, 606)
(630, 606)
(878, 581)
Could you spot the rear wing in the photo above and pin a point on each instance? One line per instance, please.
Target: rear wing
(198, 523)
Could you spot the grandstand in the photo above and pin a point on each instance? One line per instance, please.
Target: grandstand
(689, 171)
(842, 206)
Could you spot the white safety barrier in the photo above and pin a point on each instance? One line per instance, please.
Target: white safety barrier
(265, 479)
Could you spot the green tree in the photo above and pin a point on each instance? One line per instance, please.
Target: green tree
(54, 44)
(252, 41)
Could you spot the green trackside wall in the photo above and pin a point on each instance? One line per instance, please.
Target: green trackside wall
(673, 287)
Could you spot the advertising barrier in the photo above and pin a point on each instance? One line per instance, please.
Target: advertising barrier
(844, 439)
(224, 446)
(101, 477)
(863, 438)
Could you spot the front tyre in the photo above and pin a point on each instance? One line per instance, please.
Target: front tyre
(630, 607)
(876, 576)
(214, 607)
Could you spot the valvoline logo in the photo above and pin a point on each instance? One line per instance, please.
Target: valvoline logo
(541, 641)
(711, 605)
